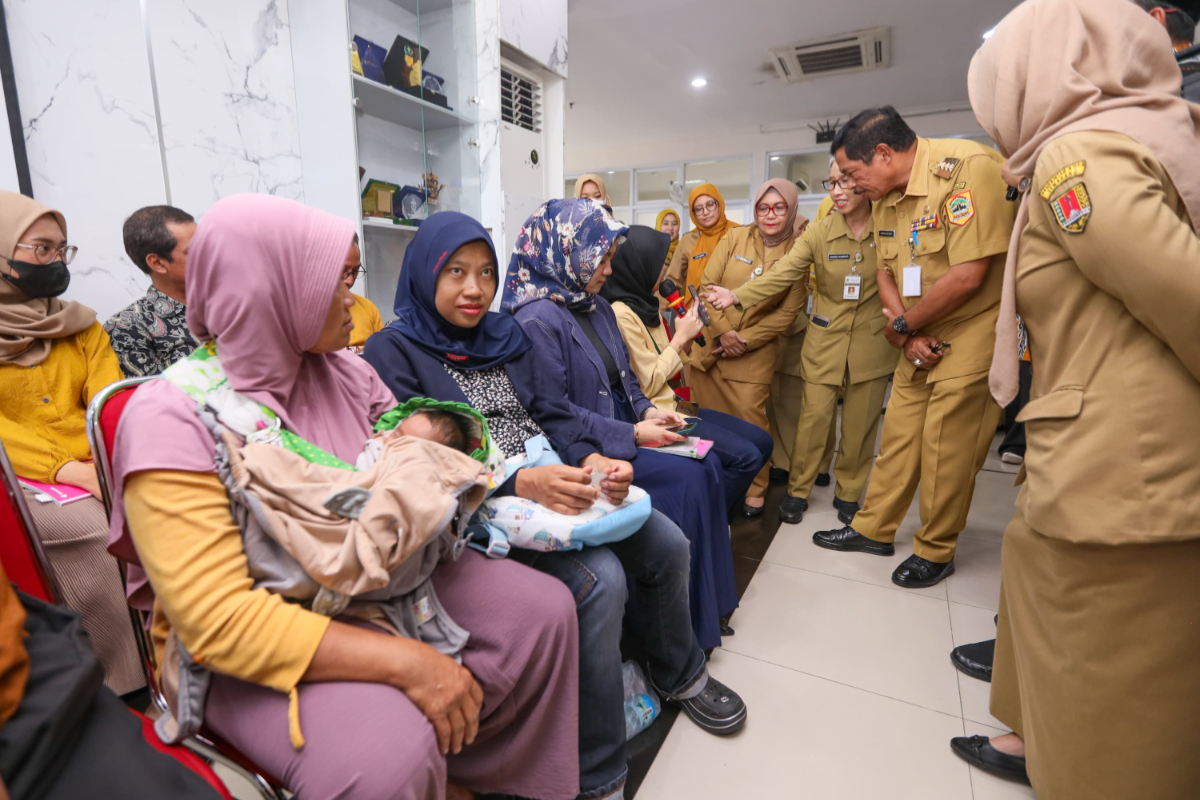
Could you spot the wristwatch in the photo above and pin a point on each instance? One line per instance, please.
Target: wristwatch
(900, 325)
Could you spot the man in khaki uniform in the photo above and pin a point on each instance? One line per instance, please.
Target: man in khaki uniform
(783, 406)
(942, 224)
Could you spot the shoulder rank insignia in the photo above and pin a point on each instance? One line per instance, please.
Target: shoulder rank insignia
(1073, 209)
(960, 208)
(945, 167)
(960, 185)
(1062, 176)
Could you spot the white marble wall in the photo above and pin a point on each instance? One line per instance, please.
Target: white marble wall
(227, 99)
(538, 28)
(487, 65)
(84, 87)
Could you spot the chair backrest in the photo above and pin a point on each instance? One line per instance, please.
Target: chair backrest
(103, 414)
(20, 548)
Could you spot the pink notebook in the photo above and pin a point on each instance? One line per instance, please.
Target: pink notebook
(61, 493)
(694, 447)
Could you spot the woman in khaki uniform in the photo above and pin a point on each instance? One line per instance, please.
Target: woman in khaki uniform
(844, 346)
(732, 373)
(710, 224)
(1099, 631)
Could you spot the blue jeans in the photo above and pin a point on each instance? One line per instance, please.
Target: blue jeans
(742, 447)
(656, 560)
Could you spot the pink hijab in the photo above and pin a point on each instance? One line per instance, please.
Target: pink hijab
(791, 195)
(261, 274)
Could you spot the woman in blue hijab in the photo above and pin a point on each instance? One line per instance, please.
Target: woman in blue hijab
(445, 344)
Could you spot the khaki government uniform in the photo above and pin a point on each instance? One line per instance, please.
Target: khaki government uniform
(1099, 632)
(740, 386)
(653, 359)
(845, 345)
(783, 404)
(940, 422)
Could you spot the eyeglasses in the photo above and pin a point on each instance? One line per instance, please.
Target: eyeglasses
(45, 254)
(711, 205)
(844, 182)
(352, 273)
(780, 209)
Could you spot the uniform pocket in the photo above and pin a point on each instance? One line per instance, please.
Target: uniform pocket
(929, 241)
(1062, 403)
(878, 324)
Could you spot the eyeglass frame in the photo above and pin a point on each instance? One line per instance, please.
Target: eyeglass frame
(758, 210)
(67, 251)
(711, 205)
(358, 271)
(845, 183)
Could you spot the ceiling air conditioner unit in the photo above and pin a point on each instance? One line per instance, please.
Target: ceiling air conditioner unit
(858, 51)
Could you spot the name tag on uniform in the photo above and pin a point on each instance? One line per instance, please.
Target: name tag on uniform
(699, 255)
(911, 281)
(839, 256)
(852, 289)
(889, 234)
(744, 260)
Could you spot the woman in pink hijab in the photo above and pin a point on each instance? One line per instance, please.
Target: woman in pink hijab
(333, 709)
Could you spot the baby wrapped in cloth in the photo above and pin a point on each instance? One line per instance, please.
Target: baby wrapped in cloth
(321, 532)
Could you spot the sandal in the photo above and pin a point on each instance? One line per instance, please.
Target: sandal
(718, 709)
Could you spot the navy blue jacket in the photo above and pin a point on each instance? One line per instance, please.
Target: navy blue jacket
(576, 373)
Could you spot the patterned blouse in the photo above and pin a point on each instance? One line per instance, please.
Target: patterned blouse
(491, 393)
(151, 334)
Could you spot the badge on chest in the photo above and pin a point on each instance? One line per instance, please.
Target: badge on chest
(852, 288)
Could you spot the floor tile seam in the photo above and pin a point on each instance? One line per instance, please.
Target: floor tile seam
(972, 605)
(853, 580)
(841, 683)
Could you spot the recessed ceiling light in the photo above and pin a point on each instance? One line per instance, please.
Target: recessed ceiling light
(774, 158)
(612, 172)
(699, 83)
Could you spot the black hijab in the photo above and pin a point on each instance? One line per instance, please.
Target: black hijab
(635, 269)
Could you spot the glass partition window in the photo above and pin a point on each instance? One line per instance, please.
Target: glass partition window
(731, 177)
(654, 185)
(806, 170)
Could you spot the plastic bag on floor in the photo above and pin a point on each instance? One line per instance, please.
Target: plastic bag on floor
(642, 705)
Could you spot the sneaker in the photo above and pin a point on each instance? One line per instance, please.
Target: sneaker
(718, 709)
(792, 509)
(1009, 457)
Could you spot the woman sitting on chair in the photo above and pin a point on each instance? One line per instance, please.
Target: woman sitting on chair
(54, 357)
(383, 716)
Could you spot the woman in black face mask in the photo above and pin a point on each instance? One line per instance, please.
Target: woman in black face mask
(54, 357)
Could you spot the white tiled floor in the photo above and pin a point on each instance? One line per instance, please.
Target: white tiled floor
(848, 677)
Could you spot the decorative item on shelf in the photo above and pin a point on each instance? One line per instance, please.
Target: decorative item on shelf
(413, 203)
(432, 187)
(402, 67)
(433, 89)
(378, 199)
(355, 59)
(372, 57)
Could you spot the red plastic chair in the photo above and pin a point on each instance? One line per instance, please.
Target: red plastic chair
(26, 565)
(103, 415)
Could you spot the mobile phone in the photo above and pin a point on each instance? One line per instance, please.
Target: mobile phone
(698, 304)
(683, 430)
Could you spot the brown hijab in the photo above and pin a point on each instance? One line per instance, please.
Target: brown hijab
(594, 178)
(1059, 66)
(28, 324)
(791, 195)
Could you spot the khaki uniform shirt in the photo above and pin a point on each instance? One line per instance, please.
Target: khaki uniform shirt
(677, 271)
(956, 201)
(737, 258)
(843, 334)
(653, 359)
(1108, 283)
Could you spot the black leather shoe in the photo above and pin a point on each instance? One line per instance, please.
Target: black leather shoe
(978, 751)
(753, 511)
(792, 509)
(917, 572)
(823, 479)
(846, 510)
(975, 659)
(778, 475)
(850, 540)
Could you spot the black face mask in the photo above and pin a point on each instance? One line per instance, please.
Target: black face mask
(39, 280)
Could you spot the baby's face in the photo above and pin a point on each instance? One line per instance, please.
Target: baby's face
(419, 427)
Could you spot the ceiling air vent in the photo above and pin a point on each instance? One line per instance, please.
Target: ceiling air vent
(858, 51)
(520, 101)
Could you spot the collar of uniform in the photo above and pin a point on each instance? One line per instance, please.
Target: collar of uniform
(918, 181)
(838, 228)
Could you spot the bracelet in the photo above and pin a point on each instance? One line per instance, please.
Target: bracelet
(635, 436)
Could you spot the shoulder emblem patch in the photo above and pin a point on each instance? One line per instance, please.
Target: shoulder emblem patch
(945, 167)
(1062, 176)
(960, 208)
(1073, 209)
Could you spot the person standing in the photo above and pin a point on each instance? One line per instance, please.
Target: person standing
(151, 334)
(1098, 634)
(364, 313)
(1181, 27)
(697, 245)
(668, 223)
(942, 225)
(845, 345)
(732, 372)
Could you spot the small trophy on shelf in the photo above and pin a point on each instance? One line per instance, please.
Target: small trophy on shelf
(432, 187)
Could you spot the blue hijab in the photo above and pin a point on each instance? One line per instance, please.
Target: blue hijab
(558, 249)
(496, 340)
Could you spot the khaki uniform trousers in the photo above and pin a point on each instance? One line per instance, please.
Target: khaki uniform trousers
(783, 415)
(936, 435)
(746, 401)
(860, 423)
(1095, 665)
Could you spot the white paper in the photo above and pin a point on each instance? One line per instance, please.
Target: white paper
(912, 281)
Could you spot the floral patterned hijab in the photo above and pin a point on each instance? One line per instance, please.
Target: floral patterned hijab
(557, 251)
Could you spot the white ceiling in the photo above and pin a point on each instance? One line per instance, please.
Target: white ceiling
(632, 63)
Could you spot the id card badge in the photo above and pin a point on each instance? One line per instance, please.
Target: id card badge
(852, 289)
(810, 304)
(911, 281)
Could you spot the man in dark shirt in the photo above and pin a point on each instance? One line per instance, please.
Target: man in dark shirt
(1181, 26)
(151, 334)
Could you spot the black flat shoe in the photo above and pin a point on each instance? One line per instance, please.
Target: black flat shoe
(725, 629)
(792, 509)
(777, 475)
(846, 510)
(753, 511)
(718, 709)
(975, 659)
(917, 572)
(978, 751)
(823, 479)
(850, 540)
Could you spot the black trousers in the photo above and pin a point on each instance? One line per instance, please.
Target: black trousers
(1014, 432)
